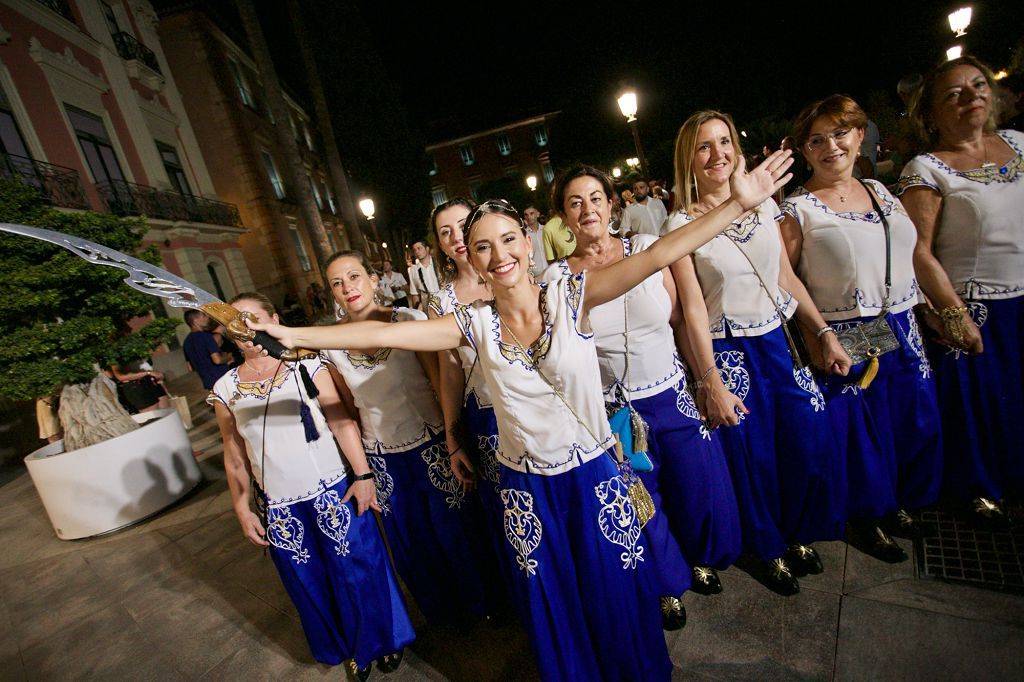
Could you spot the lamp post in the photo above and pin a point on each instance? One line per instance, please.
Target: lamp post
(616, 172)
(531, 182)
(367, 207)
(959, 21)
(628, 107)
(954, 52)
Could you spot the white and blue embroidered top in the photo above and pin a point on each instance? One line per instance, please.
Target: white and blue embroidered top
(443, 303)
(287, 467)
(397, 407)
(842, 261)
(980, 236)
(538, 433)
(653, 365)
(732, 290)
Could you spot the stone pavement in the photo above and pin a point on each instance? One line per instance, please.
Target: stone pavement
(184, 596)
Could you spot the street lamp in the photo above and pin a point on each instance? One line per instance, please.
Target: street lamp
(954, 52)
(632, 162)
(959, 21)
(616, 172)
(367, 207)
(531, 182)
(628, 107)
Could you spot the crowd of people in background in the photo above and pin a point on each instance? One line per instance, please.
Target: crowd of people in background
(587, 416)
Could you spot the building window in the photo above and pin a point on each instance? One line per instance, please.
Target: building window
(108, 14)
(466, 152)
(330, 199)
(511, 171)
(474, 190)
(275, 179)
(307, 136)
(433, 166)
(11, 141)
(96, 146)
(300, 249)
(266, 107)
(540, 135)
(504, 146)
(295, 128)
(316, 193)
(549, 172)
(211, 269)
(243, 86)
(175, 171)
(439, 196)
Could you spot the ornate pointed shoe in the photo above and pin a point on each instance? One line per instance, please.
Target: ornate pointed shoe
(705, 581)
(391, 662)
(884, 548)
(803, 560)
(673, 614)
(903, 525)
(355, 674)
(780, 579)
(989, 513)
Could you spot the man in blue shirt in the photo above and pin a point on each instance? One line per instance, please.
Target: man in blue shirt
(201, 350)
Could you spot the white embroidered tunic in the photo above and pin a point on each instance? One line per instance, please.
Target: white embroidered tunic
(980, 236)
(287, 467)
(443, 303)
(397, 407)
(538, 433)
(731, 288)
(842, 261)
(653, 366)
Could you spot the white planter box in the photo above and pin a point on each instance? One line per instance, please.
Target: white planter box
(113, 484)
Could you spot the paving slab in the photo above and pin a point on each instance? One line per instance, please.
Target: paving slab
(749, 632)
(880, 641)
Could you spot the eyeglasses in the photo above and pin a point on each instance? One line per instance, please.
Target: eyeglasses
(818, 141)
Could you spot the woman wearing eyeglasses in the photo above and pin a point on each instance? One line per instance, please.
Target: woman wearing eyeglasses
(583, 582)
(736, 292)
(852, 244)
(966, 197)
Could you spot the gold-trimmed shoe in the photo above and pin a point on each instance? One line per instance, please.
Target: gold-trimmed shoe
(779, 578)
(673, 613)
(391, 662)
(354, 673)
(803, 560)
(705, 581)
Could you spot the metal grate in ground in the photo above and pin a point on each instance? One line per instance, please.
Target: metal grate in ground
(962, 552)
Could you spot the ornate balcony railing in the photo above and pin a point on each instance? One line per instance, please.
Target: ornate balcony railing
(130, 48)
(59, 185)
(129, 199)
(61, 7)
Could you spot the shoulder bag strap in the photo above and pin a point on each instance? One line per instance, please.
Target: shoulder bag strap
(888, 246)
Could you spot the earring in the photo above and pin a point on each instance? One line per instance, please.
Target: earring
(449, 266)
(532, 265)
(377, 298)
(613, 230)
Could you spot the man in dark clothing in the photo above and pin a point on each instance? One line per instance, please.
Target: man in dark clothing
(201, 350)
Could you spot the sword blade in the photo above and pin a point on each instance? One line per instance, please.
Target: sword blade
(146, 277)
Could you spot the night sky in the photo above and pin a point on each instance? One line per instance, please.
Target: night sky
(403, 75)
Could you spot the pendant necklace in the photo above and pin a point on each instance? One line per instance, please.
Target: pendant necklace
(984, 163)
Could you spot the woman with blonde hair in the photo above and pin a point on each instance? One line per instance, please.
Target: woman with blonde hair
(737, 293)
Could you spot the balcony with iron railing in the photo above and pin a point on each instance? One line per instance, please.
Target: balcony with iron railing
(61, 7)
(129, 47)
(128, 199)
(60, 186)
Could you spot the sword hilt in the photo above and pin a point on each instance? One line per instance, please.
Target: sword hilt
(234, 323)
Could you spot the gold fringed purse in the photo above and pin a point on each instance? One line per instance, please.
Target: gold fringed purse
(637, 492)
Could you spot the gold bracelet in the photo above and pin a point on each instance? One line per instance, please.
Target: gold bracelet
(953, 321)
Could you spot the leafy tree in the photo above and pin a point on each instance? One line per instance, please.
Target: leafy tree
(59, 314)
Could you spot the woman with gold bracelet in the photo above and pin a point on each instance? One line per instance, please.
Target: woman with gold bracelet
(966, 197)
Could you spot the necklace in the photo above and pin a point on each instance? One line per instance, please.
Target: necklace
(258, 372)
(985, 163)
